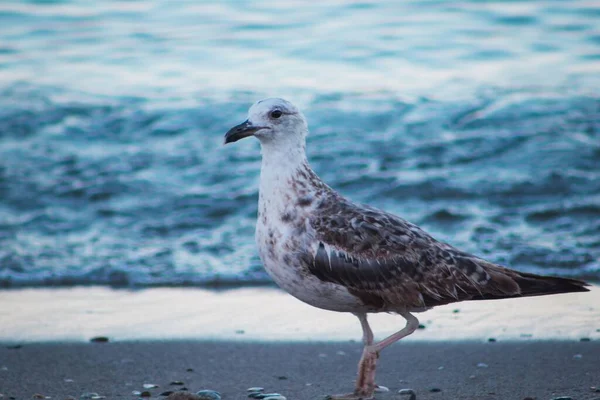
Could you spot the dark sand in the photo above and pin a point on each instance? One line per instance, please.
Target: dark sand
(515, 370)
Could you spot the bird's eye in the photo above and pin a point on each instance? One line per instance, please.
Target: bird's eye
(276, 114)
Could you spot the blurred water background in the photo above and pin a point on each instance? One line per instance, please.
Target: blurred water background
(478, 120)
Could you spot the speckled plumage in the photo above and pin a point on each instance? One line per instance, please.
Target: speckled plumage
(338, 255)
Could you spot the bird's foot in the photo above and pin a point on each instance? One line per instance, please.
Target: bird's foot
(349, 396)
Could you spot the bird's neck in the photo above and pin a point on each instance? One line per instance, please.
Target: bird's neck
(286, 180)
(279, 165)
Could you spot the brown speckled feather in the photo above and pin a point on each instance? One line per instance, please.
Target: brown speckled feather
(391, 264)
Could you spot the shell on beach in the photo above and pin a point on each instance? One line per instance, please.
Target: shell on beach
(208, 395)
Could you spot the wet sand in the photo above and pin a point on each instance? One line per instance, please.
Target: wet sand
(507, 370)
(262, 337)
(268, 314)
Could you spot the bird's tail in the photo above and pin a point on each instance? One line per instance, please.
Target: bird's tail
(507, 283)
(539, 285)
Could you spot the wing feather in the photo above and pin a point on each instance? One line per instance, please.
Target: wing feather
(392, 264)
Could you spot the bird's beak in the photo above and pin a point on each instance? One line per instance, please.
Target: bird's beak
(240, 131)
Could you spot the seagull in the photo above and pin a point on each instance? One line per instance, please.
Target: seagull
(338, 255)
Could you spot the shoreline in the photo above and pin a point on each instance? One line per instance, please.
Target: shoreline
(269, 314)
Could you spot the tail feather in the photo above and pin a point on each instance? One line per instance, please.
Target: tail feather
(508, 283)
(539, 285)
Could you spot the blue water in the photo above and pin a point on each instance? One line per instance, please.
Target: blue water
(478, 120)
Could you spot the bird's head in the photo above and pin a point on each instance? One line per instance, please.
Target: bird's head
(272, 121)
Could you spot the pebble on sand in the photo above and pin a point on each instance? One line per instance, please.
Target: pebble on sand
(208, 395)
(255, 389)
(183, 396)
(562, 398)
(91, 396)
(278, 397)
(381, 389)
(149, 386)
(410, 392)
(99, 339)
(482, 365)
(263, 396)
(176, 383)
(435, 390)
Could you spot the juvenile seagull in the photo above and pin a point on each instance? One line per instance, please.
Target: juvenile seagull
(341, 256)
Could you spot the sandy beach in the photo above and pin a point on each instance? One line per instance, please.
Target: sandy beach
(460, 370)
(540, 348)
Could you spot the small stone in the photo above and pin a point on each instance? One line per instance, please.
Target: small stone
(176, 383)
(208, 395)
(595, 389)
(410, 392)
(255, 389)
(491, 340)
(146, 393)
(190, 370)
(441, 367)
(282, 378)
(183, 396)
(381, 389)
(89, 395)
(435, 390)
(38, 396)
(585, 339)
(149, 386)
(278, 397)
(136, 393)
(577, 356)
(529, 398)
(421, 326)
(167, 393)
(482, 365)
(340, 353)
(4, 368)
(68, 380)
(99, 339)
(262, 395)
(562, 398)
(472, 377)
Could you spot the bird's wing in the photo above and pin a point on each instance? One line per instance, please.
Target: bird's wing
(389, 262)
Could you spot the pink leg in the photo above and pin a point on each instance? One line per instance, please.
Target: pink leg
(365, 383)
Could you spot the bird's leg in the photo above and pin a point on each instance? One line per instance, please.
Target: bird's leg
(412, 323)
(367, 332)
(365, 383)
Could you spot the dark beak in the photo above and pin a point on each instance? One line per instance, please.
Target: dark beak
(240, 131)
